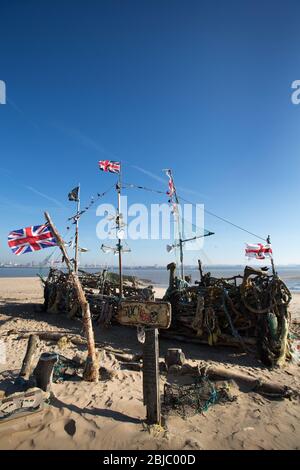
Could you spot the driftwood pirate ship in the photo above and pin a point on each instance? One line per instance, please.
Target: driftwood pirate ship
(244, 311)
(247, 311)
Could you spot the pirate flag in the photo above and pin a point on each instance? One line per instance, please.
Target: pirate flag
(73, 195)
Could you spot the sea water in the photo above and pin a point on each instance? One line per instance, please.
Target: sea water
(160, 276)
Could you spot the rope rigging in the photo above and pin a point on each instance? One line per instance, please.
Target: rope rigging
(205, 210)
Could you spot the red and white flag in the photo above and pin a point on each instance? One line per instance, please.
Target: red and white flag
(258, 251)
(34, 238)
(110, 166)
(171, 189)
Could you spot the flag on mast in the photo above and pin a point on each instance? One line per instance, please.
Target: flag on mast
(171, 189)
(258, 251)
(34, 238)
(73, 194)
(109, 166)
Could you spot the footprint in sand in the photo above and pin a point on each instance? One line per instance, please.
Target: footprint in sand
(272, 429)
(70, 427)
(108, 403)
(92, 434)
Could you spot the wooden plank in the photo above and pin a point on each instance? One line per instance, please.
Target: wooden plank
(152, 314)
(151, 376)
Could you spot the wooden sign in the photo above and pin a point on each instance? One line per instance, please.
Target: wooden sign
(151, 314)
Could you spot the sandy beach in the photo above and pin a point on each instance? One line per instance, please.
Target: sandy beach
(110, 414)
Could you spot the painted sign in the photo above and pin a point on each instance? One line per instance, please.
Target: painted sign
(153, 314)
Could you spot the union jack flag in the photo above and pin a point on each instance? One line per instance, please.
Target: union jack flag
(109, 165)
(26, 240)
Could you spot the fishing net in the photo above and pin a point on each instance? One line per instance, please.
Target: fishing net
(197, 397)
(65, 369)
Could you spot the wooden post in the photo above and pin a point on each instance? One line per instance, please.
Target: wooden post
(172, 268)
(151, 376)
(91, 371)
(44, 371)
(76, 261)
(29, 356)
(200, 269)
(119, 244)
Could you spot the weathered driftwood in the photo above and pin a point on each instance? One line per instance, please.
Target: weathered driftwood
(258, 385)
(151, 376)
(224, 340)
(268, 388)
(27, 364)
(91, 371)
(80, 341)
(44, 371)
(101, 294)
(228, 312)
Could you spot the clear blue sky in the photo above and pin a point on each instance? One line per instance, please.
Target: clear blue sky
(203, 87)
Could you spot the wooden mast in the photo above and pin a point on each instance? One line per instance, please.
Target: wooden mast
(77, 233)
(268, 240)
(118, 226)
(179, 229)
(91, 371)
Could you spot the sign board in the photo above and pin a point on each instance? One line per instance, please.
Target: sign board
(151, 314)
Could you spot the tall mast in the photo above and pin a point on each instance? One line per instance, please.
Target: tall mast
(76, 248)
(118, 226)
(179, 230)
(173, 192)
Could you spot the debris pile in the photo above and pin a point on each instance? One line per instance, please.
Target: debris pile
(101, 292)
(197, 397)
(237, 311)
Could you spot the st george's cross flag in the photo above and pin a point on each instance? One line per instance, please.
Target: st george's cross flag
(26, 240)
(258, 251)
(110, 166)
(171, 189)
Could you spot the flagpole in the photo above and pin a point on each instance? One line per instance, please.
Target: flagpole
(77, 233)
(272, 260)
(119, 245)
(179, 230)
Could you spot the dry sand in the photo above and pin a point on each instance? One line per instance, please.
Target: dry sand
(110, 414)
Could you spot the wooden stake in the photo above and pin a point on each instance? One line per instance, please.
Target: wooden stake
(29, 356)
(151, 376)
(91, 372)
(44, 371)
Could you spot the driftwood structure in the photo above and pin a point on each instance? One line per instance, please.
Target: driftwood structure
(91, 371)
(102, 294)
(244, 311)
(237, 311)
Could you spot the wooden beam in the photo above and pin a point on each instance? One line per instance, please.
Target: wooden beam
(151, 376)
(91, 371)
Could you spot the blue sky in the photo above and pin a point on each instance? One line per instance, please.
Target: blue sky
(203, 87)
